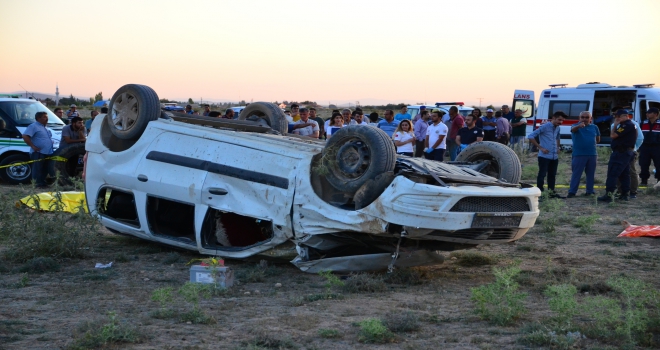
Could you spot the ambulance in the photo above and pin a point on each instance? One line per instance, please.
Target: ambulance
(602, 100)
(16, 114)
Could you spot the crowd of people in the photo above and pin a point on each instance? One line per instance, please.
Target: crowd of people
(628, 138)
(434, 134)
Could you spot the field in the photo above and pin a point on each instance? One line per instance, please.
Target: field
(569, 283)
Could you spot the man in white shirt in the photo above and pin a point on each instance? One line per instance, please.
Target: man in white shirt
(312, 127)
(436, 137)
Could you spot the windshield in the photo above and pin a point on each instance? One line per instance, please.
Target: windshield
(22, 112)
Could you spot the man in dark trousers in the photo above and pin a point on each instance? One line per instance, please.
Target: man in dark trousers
(624, 135)
(650, 149)
(548, 147)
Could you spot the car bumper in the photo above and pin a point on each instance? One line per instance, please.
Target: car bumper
(430, 212)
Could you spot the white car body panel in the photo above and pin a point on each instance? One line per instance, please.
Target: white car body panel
(268, 177)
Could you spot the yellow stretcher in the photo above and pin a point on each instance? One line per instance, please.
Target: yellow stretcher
(71, 202)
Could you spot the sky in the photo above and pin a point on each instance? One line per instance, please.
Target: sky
(327, 51)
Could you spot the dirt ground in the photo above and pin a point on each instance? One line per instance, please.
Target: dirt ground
(51, 310)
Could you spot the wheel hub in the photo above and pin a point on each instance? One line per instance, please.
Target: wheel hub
(19, 172)
(353, 159)
(125, 111)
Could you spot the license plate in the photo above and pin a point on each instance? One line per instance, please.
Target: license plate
(489, 220)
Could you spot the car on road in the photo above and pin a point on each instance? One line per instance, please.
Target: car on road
(245, 188)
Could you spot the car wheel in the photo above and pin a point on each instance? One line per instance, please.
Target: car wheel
(132, 107)
(504, 162)
(73, 166)
(269, 112)
(18, 174)
(356, 154)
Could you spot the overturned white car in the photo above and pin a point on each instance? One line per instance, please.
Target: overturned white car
(244, 188)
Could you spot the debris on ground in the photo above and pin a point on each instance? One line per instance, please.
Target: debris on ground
(639, 231)
(70, 202)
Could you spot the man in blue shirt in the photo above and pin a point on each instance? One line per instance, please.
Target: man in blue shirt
(388, 124)
(403, 115)
(624, 136)
(39, 138)
(585, 136)
(490, 124)
(548, 146)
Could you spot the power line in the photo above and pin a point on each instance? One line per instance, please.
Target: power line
(480, 98)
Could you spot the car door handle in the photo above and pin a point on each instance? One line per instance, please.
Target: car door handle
(143, 178)
(218, 191)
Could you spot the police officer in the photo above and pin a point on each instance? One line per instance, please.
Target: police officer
(624, 135)
(650, 149)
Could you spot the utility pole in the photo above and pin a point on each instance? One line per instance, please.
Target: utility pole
(480, 98)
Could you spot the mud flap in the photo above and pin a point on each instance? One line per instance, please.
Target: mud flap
(369, 262)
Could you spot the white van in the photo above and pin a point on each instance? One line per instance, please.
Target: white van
(444, 106)
(15, 116)
(602, 100)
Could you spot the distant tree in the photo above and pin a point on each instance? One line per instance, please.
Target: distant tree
(490, 107)
(91, 100)
(332, 106)
(98, 97)
(190, 101)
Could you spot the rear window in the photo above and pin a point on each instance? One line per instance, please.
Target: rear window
(571, 108)
(23, 112)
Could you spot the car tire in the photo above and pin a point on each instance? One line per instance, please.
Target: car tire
(131, 108)
(372, 189)
(356, 154)
(269, 112)
(21, 174)
(73, 166)
(504, 162)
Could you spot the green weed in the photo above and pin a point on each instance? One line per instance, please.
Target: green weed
(97, 334)
(529, 172)
(500, 302)
(329, 333)
(586, 223)
(372, 330)
(56, 234)
(40, 265)
(163, 296)
(626, 319)
(563, 303)
(192, 293)
(364, 283)
(470, 259)
(401, 321)
(257, 273)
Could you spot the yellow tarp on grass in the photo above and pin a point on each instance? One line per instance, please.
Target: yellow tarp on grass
(70, 201)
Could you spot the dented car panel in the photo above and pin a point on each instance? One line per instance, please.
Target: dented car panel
(236, 194)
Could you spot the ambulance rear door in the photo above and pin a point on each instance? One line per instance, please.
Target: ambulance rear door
(524, 100)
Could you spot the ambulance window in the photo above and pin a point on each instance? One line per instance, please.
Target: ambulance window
(526, 106)
(413, 112)
(571, 108)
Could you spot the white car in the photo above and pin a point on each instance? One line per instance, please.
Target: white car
(241, 188)
(443, 106)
